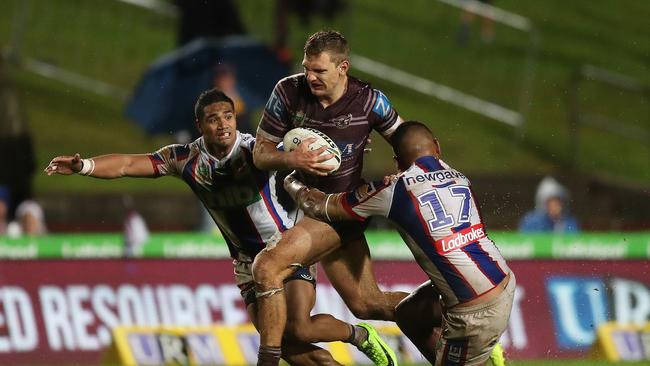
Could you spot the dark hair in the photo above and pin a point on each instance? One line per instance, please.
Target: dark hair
(208, 97)
(397, 139)
(329, 41)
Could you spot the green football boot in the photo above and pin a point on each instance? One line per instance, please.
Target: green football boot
(496, 357)
(376, 349)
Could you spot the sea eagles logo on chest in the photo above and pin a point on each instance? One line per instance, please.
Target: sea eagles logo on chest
(342, 122)
(298, 118)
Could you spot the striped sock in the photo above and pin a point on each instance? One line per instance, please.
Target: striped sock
(268, 356)
(358, 335)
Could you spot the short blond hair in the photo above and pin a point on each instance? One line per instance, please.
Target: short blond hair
(329, 41)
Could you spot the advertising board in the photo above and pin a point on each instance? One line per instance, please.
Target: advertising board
(63, 311)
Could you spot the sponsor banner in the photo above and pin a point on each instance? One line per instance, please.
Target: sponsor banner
(623, 342)
(220, 345)
(63, 311)
(384, 244)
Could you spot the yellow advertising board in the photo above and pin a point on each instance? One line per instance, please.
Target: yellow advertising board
(214, 345)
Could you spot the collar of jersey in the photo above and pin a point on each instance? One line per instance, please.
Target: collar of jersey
(219, 163)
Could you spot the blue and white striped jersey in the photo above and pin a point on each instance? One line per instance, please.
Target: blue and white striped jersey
(435, 208)
(240, 198)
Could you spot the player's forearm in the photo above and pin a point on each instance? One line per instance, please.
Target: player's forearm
(113, 166)
(267, 157)
(314, 203)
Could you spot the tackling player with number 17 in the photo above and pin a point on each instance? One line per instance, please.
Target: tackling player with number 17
(439, 220)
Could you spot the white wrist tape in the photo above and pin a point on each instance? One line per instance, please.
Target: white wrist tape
(327, 200)
(87, 166)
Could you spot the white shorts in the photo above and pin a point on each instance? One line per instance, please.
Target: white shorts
(470, 333)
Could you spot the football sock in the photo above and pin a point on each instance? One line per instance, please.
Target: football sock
(269, 356)
(358, 335)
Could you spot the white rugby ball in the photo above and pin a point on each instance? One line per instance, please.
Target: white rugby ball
(293, 138)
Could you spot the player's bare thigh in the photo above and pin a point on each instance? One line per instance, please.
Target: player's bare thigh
(306, 243)
(350, 267)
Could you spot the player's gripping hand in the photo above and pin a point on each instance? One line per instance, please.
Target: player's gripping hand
(310, 161)
(65, 165)
(310, 200)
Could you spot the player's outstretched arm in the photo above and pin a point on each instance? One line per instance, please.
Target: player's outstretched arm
(316, 204)
(267, 157)
(105, 166)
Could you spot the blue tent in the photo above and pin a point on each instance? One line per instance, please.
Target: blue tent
(163, 101)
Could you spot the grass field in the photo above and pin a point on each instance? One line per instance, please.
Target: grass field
(418, 38)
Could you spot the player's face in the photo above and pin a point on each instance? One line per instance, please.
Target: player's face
(219, 126)
(323, 75)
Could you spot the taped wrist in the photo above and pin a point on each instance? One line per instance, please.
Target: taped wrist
(293, 186)
(87, 166)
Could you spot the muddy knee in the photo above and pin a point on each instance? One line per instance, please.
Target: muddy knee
(264, 270)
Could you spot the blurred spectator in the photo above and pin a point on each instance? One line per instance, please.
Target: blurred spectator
(207, 18)
(16, 143)
(136, 232)
(212, 19)
(551, 213)
(225, 79)
(29, 221)
(4, 209)
(305, 9)
(466, 19)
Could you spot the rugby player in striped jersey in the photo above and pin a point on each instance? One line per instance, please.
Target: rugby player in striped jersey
(243, 202)
(470, 284)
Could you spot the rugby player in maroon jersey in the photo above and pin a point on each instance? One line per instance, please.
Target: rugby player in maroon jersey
(346, 109)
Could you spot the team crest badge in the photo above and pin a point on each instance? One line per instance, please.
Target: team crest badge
(342, 121)
(204, 170)
(298, 118)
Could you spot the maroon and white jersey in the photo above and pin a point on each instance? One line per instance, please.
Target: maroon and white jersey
(440, 221)
(349, 122)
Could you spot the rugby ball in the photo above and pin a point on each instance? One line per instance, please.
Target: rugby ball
(293, 138)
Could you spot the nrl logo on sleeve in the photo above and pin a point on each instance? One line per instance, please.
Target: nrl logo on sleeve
(342, 121)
